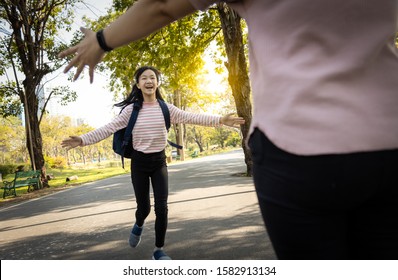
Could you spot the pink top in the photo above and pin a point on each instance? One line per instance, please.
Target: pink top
(324, 73)
(149, 133)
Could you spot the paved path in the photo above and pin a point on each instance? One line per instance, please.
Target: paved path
(213, 214)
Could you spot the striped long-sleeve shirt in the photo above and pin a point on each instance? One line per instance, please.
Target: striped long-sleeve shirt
(149, 133)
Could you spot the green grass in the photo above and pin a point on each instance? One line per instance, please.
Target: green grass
(90, 173)
(84, 175)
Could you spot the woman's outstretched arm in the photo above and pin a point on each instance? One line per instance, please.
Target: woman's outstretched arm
(140, 20)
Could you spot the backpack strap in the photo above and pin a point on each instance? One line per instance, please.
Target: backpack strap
(130, 125)
(166, 115)
(129, 129)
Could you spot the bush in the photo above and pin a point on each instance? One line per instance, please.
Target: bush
(6, 169)
(116, 163)
(55, 162)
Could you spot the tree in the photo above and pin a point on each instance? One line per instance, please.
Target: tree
(10, 151)
(175, 49)
(31, 52)
(237, 69)
(198, 137)
(220, 136)
(9, 104)
(54, 129)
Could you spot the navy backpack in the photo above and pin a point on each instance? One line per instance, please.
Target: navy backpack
(122, 139)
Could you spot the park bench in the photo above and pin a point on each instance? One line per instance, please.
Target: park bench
(195, 154)
(31, 179)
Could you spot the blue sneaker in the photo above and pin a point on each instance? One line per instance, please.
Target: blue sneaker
(160, 255)
(135, 236)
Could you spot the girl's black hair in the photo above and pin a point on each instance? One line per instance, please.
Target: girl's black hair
(135, 95)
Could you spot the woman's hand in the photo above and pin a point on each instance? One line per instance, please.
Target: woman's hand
(229, 120)
(87, 52)
(71, 142)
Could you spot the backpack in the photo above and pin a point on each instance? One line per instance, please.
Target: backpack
(122, 139)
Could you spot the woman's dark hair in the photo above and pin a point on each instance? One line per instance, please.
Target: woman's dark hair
(135, 95)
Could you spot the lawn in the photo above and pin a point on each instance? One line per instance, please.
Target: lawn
(89, 173)
(85, 174)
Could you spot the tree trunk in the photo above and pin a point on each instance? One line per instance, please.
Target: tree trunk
(197, 137)
(199, 145)
(179, 127)
(237, 72)
(38, 162)
(34, 25)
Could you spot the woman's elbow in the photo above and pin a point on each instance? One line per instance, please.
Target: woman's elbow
(173, 10)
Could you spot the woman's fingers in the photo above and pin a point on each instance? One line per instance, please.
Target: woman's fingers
(87, 52)
(91, 74)
(67, 52)
(72, 63)
(78, 71)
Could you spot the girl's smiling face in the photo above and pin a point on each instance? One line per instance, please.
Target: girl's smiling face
(148, 83)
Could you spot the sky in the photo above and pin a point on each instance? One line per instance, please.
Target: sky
(94, 102)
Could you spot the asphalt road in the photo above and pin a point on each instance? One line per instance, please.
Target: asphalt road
(213, 215)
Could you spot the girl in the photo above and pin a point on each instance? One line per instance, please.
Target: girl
(149, 142)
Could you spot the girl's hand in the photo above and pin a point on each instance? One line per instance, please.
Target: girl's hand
(71, 142)
(229, 120)
(87, 52)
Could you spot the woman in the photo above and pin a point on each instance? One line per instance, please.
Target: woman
(149, 142)
(324, 133)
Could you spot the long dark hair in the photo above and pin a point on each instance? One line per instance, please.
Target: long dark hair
(135, 95)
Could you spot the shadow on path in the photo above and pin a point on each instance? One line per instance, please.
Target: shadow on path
(212, 215)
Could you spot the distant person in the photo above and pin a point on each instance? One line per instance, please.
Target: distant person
(148, 162)
(324, 134)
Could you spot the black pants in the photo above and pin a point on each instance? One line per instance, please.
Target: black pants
(329, 206)
(145, 167)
